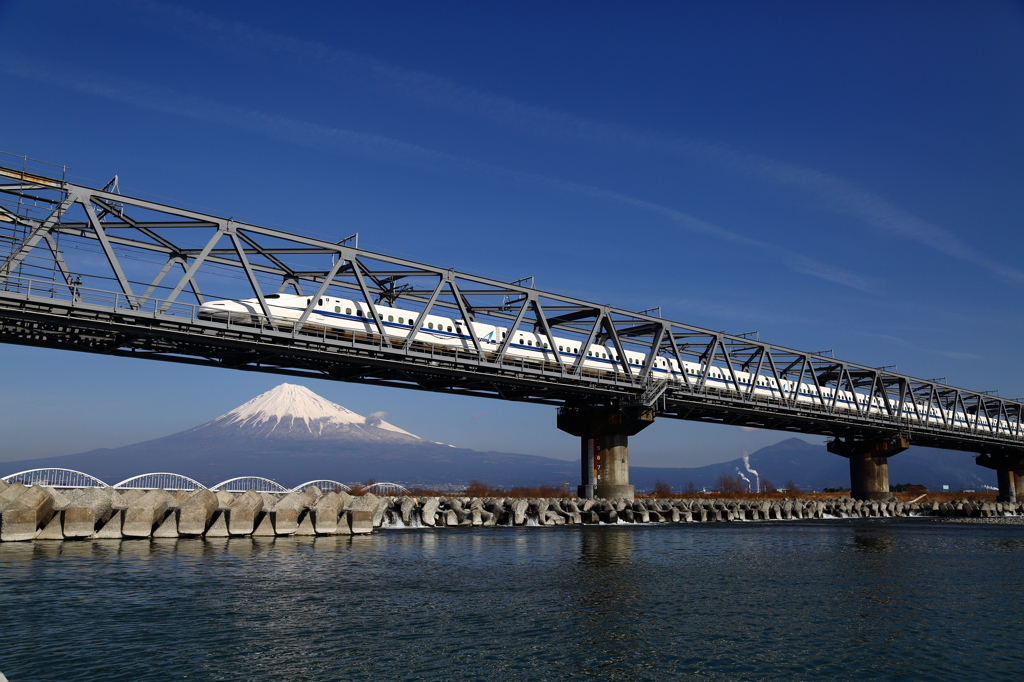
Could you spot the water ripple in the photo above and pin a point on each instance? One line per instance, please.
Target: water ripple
(857, 600)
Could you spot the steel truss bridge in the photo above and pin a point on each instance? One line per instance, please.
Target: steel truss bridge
(92, 270)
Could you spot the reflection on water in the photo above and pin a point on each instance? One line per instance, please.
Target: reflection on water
(852, 600)
(611, 546)
(874, 543)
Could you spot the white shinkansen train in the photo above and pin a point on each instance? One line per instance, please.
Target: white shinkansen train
(344, 315)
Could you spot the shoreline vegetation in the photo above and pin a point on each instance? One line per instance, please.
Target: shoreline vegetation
(478, 489)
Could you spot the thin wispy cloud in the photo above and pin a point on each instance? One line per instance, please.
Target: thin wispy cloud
(835, 194)
(389, 150)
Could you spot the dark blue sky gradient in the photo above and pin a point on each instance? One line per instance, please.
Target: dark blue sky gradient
(840, 175)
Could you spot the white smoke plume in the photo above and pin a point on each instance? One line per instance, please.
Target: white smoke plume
(375, 418)
(740, 474)
(746, 465)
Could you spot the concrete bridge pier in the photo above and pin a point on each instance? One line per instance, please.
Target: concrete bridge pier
(1009, 475)
(869, 464)
(604, 446)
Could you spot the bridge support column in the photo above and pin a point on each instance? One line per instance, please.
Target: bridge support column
(604, 446)
(1009, 475)
(869, 464)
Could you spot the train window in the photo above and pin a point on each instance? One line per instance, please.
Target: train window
(559, 348)
(348, 311)
(337, 308)
(604, 356)
(545, 345)
(529, 343)
(390, 319)
(449, 328)
(359, 313)
(270, 296)
(320, 302)
(401, 320)
(430, 324)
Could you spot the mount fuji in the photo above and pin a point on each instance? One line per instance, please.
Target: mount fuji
(296, 413)
(290, 434)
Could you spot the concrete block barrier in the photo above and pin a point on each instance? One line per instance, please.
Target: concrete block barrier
(242, 513)
(143, 515)
(326, 512)
(286, 513)
(88, 512)
(24, 516)
(195, 513)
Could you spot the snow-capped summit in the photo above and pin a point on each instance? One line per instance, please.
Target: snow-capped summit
(291, 411)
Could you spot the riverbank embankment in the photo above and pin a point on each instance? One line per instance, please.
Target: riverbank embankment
(41, 513)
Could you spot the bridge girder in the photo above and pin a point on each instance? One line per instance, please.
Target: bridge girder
(68, 244)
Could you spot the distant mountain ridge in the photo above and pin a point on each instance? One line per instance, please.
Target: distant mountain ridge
(291, 435)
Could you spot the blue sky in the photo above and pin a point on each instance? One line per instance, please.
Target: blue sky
(840, 176)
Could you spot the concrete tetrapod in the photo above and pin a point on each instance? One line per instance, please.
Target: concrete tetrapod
(326, 513)
(243, 512)
(429, 510)
(195, 513)
(10, 493)
(145, 513)
(286, 513)
(88, 512)
(26, 514)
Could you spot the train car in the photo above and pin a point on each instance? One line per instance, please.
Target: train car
(444, 333)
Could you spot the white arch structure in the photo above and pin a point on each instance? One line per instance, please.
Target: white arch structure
(244, 483)
(162, 479)
(324, 484)
(386, 488)
(55, 478)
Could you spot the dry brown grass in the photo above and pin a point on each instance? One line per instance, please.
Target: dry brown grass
(903, 497)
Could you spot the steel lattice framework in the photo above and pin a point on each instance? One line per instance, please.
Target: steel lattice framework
(159, 480)
(324, 484)
(93, 270)
(242, 484)
(55, 478)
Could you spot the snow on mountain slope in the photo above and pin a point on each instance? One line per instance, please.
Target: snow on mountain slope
(290, 411)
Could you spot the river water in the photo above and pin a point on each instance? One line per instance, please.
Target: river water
(804, 600)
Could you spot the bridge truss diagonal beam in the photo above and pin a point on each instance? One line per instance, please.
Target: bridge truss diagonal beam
(91, 269)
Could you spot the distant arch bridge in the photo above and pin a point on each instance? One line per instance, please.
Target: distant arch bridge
(69, 479)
